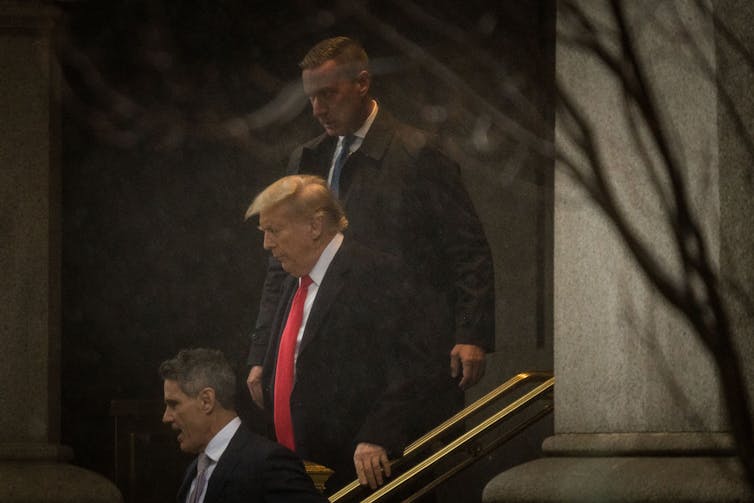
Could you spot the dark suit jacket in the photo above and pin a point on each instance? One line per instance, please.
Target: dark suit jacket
(253, 469)
(404, 197)
(361, 360)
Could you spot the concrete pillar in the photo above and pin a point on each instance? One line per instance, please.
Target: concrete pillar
(32, 461)
(638, 412)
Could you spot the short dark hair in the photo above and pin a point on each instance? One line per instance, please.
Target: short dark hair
(343, 50)
(199, 368)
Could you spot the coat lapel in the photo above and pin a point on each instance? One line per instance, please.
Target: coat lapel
(327, 293)
(379, 136)
(316, 157)
(225, 466)
(363, 164)
(186, 484)
(290, 284)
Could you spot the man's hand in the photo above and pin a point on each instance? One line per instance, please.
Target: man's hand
(371, 464)
(254, 383)
(467, 360)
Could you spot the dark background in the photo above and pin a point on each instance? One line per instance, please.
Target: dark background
(176, 113)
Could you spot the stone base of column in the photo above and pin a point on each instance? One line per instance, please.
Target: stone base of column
(677, 467)
(39, 473)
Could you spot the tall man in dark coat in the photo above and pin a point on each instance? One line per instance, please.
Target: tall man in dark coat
(236, 465)
(359, 360)
(403, 197)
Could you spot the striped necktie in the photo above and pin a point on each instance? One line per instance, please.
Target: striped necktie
(201, 478)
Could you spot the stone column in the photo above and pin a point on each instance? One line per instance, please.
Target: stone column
(32, 461)
(638, 411)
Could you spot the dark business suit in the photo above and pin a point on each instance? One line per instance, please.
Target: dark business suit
(404, 197)
(360, 362)
(253, 469)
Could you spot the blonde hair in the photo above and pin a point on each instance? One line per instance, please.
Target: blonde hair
(307, 195)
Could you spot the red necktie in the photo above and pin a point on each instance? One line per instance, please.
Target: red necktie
(284, 367)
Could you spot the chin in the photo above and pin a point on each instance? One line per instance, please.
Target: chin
(290, 270)
(189, 449)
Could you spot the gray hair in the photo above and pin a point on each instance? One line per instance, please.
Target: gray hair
(199, 368)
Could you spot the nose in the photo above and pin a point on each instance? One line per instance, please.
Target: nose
(269, 242)
(318, 106)
(167, 416)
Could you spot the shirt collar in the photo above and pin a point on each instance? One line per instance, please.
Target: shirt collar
(323, 262)
(216, 447)
(361, 133)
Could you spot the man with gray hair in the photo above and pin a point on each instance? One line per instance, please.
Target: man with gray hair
(234, 465)
(343, 370)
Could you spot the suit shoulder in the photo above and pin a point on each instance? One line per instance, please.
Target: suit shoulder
(413, 139)
(375, 266)
(295, 158)
(313, 143)
(271, 472)
(424, 148)
(368, 256)
(261, 454)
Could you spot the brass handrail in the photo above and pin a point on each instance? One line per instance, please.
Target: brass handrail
(478, 454)
(509, 385)
(472, 433)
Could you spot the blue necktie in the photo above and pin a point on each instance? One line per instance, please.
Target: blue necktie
(339, 162)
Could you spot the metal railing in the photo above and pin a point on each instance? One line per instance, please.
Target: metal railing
(543, 390)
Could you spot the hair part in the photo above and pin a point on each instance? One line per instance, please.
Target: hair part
(307, 195)
(199, 368)
(347, 52)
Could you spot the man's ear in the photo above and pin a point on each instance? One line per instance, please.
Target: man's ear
(207, 400)
(316, 225)
(363, 79)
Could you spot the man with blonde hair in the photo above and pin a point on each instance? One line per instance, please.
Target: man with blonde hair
(313, 197)
(344, 363)
(405, 197)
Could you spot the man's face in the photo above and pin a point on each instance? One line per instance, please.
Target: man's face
(186, 415)
(289, 238)
(338, 98)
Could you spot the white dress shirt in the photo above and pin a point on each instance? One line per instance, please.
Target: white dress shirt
(358, 140)
(317, 274)
(215, 448)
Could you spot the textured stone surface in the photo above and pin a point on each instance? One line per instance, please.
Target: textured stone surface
(624, 359)
(736, 173)
(621, 479)
(31, 461)
(35, 452)
(639, 444)
(26, 282)
(32, 482)
(638, 409)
